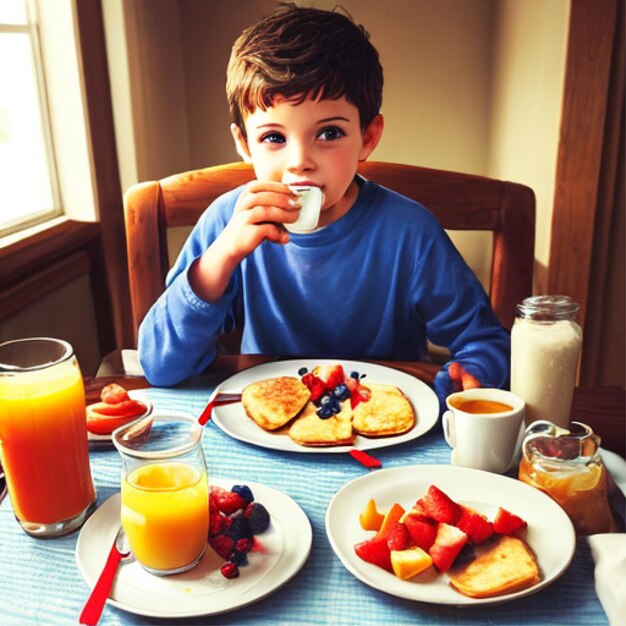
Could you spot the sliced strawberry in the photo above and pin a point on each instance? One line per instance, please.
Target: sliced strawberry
(422, 530)
(449, 542)
(477, 527)
(225, 501)
(439, 506)
(330, 375)
(375, 551)
(361, 394)
(399, 538)
(507, 523)
(113, 394)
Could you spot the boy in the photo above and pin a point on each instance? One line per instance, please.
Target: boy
(379, 274)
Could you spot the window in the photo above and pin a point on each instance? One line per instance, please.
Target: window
(28, 187)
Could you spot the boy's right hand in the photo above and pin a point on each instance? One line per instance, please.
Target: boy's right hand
(259, 214)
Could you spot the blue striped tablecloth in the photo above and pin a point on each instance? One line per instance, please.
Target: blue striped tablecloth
(40, 582)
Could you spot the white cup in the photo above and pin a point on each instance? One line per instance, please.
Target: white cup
(310, 205)
(484, 440)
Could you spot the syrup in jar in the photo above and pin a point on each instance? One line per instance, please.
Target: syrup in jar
(566, 465)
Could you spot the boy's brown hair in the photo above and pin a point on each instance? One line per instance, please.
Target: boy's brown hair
(298, 52)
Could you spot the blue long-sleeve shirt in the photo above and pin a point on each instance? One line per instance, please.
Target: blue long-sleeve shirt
(374, 284)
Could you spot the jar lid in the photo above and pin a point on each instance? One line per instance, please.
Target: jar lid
(548, 308)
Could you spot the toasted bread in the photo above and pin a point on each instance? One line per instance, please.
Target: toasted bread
(388, 412)
(273, 402)
(310, 430)
(508, 564)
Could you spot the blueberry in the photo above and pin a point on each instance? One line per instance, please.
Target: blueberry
(258, 517)
(354, 375)
(240, 559)
(239, 527)
(324, 412)
(302, 371)
(244, 492)
(325, 399)
(341, 391)
(334, 405)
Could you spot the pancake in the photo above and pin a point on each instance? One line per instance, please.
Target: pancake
(388, 412)
(310, 430)
(273, 402)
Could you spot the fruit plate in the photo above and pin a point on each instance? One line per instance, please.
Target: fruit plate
(550, 533)
(232, 418)
(105, 440)
(202, 590)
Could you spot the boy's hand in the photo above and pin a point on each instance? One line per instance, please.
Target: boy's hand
(260, 211)
(462, 378)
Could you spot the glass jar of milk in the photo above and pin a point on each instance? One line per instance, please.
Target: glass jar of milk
(546, 343)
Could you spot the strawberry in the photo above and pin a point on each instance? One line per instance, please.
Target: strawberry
(217, 521)
(375, 551)
(422, 530)
(439, 506)
(316, 386)
(448, 544)
(330, 375)
(477, 527)
(225, 501)
(399, 538)
(507, 523)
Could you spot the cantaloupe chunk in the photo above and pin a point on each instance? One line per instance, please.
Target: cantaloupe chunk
(410, 562)
(392, 515)
(371, 519)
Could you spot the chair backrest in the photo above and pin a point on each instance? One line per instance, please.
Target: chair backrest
(459, 201)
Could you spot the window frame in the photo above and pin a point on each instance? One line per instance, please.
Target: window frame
(31, 28)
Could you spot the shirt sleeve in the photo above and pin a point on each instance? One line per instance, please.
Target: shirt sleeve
(458, 315)
(179, 335)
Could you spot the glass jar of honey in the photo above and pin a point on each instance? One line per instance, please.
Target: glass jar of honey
(566, 464)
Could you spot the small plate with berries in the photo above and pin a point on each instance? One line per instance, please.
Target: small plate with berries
(407, 530)
(259, 538)
(327, 396)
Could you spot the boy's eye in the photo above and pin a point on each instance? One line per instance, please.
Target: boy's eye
(331, 133)
(273, 137)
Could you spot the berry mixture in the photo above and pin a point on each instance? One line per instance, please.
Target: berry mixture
(329, 386)
(235, 519)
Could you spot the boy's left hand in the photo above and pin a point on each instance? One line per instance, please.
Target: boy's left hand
(461, 378)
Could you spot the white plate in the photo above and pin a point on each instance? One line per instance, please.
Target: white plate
(232, 419)
(550, 532)
(106, 439)
(202, 590)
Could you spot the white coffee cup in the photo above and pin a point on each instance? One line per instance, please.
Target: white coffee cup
(480, 439)
(310, 199)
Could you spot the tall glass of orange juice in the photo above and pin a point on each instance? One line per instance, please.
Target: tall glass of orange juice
(165, 491)
(43, 436)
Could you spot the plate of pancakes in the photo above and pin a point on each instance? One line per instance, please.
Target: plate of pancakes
(277, 412)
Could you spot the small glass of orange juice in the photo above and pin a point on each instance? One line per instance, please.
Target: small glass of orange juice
(165, 491)
(43, 436)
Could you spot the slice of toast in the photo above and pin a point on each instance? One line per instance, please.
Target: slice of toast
(507, 565)
(273, 402)
(387, 412)
(310, 430)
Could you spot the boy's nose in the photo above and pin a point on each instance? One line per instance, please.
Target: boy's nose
(300, 158)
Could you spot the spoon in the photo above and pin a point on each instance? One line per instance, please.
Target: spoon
(95, 603)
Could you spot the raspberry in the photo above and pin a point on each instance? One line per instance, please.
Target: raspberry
(222, 544)
(226, 501)
(243, 545)
(217, 522)
(229, 570)
(244, 491)
(258, 517)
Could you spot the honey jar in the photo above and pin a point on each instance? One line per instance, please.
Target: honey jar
(566, 465)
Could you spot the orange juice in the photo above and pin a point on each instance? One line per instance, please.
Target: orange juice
(43, 443)
(165, 513)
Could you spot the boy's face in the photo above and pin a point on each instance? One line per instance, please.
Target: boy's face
(317, 142)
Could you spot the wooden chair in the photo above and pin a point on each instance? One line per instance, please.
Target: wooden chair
(460, 202)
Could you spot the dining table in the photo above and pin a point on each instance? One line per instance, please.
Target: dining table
(41, 582)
